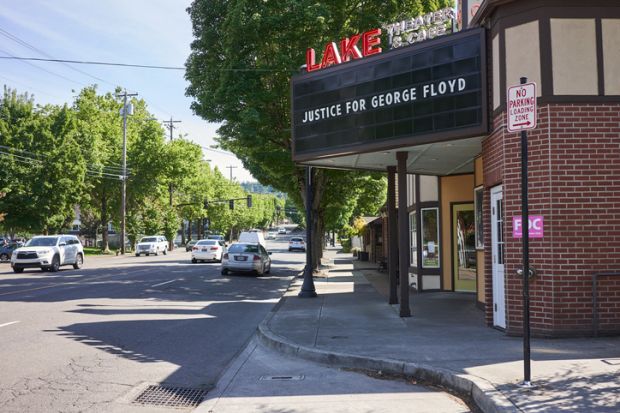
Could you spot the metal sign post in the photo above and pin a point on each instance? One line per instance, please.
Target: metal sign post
(522, 116)
(307, 288)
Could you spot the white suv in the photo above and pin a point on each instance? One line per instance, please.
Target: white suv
(153, 244)
(49, 252)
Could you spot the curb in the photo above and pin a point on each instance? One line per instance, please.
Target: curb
(485, 396)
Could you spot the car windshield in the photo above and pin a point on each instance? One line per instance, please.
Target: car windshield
(297, 240)
(215, 237)
(42, 242)
(243, 248)
(207, 243)
(149, 239)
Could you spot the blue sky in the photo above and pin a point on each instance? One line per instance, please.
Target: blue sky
(151, 32)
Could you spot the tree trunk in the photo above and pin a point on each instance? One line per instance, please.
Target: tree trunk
(105, 243)
(182, 233)
(189, 230)
(318, 186)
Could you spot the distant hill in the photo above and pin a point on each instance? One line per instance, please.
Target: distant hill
(257, 188)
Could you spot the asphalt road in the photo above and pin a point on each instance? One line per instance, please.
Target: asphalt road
(85, 340)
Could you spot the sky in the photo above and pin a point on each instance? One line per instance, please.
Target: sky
(147, 32)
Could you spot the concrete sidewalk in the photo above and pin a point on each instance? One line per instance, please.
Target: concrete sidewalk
(446, 342)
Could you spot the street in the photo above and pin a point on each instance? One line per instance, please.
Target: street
(83, 340)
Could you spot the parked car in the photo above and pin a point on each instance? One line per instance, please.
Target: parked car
(7, 250)
(153, 244)
(208, 250)
(253, 238)
(246, 257)
(271, 234)
(218, 237)
(282, 231)
(297, 243)
(190, 244)
(49, 253)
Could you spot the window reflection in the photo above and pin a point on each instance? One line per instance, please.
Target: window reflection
(430, 238)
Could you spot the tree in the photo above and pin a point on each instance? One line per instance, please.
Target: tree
(100, 138)
(43, 167)
(242, 60)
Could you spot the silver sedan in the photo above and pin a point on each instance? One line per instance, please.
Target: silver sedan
(246, 257)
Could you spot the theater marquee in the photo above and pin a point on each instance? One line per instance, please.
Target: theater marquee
(429, 92)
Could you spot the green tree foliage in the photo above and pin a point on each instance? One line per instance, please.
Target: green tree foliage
(242, 60)
(55, 158)
(43, 170)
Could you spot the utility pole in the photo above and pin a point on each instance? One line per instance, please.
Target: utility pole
(125, 109)
(230, 167)
(170, 125)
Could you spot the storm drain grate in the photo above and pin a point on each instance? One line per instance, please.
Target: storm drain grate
(282, 378)
(168, 396)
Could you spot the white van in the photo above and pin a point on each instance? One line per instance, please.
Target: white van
(253, 237)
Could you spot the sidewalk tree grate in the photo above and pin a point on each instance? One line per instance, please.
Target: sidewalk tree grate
(282, 378)
(169, 396)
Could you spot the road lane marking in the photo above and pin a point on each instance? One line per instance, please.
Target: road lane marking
(164, 283)
(94, 278)
(8, 324)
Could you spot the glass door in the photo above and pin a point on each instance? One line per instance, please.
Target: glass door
(464, 247)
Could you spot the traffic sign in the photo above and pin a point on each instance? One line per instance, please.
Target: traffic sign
(522, 107)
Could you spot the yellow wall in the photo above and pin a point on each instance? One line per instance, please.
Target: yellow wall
(458, 188)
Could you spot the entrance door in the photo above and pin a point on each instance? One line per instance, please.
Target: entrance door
(464, 247)
(497, 251)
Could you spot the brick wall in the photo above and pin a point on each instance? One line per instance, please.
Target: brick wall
(574, 182)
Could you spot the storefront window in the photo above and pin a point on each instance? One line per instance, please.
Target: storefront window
(430, 238)
(413, 240)
(478, 195)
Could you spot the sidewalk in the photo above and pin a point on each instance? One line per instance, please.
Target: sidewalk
(446, 342)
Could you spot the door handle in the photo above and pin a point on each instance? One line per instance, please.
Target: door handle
(495, 305)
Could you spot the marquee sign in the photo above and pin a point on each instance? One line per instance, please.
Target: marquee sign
(424, 27)
(348, 50)
(432, 92)
(402, 33)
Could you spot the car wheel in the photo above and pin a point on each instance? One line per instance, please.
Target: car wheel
(55, 264)
(18, 270)
(79, 260)
(165, 251)
(137, 255)
(224, 271)
(194, 260)
(268, 269)
(4, 257)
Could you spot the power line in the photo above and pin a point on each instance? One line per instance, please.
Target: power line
(10, 148)
(34, 161)
(90, 62)
(10, 56)
(31, 47)
(217, 151)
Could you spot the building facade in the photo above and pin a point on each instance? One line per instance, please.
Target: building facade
(462, 175)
